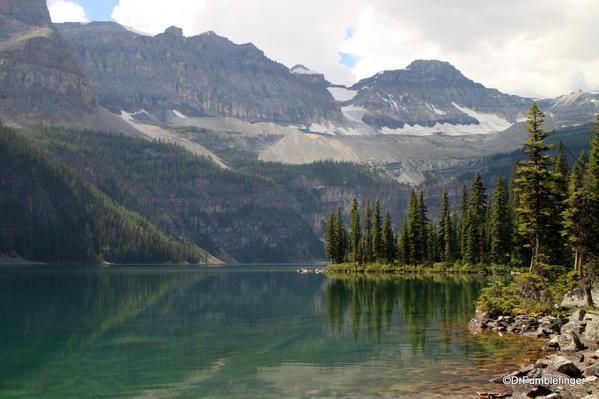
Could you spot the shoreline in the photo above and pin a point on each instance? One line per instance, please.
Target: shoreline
(571, 372)
(424, 269)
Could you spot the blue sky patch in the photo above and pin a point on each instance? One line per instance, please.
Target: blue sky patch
(97, 10)
(349, 33)
(347, 59)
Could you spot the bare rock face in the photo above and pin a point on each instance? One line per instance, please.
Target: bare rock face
(39, 78)
(203, 75)
(430, 93)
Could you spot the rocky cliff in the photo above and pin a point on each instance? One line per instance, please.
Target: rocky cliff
(432, 97)
(172, 76)
(39, 78)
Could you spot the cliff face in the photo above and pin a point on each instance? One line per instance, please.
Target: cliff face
(204, 75)
(430, 94)
(39, 78)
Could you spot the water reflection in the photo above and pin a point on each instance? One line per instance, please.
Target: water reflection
(370, 301)
(185, 333)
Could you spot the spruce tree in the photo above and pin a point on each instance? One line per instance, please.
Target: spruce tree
(587, 224)
(432, 243)
(474, 229)
(341, 238)
(367, 239)
(389, 246)
(415, 230)
(574, 218)
(355, 233)
(462, 222)
(377, 234)
(403, 245)
(446, 239)
(500, 224)
(424, 240)
(536, 191)
(330, 239)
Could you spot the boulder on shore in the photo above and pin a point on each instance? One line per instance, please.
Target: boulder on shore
(578, 299)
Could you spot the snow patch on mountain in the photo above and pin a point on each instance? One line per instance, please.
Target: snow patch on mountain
(488, 123)
(137, 32)
(341, 93)
(436, 110)
(127, 116)
(302, 70)
(179, 114)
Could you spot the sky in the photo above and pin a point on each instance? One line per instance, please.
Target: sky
(535, 48)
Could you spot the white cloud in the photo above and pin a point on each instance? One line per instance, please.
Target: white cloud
(538, 48)
(66, 11)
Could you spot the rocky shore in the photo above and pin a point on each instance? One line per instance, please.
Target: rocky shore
(570, 371)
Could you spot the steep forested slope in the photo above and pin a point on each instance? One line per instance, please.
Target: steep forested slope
(49, 213)
(237, 216)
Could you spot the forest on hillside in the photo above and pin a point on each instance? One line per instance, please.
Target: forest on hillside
(545, 219)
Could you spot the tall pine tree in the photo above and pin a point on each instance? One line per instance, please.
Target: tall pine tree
(536, 192)
(355, 233)
(500, 224)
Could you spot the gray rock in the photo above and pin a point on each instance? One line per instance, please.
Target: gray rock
(592, 370)
(591, 396)
(550, 325)
(554, 342)
(569, 342)
(578, 315)
(577, 298)
(565, 366)
(590, 335)
(203, 75)
(39, 77)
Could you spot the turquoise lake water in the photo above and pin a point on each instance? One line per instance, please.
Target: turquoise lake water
(242, 332)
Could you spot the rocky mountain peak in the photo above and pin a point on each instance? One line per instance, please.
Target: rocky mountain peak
(432, 67)
(39, 78)
(206, 75)
(173, 31)
(30, 12)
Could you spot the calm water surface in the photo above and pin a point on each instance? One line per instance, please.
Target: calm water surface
(243, 333)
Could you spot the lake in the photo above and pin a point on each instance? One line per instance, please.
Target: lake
(242, 332)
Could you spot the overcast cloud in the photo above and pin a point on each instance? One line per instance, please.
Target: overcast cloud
(539, 48)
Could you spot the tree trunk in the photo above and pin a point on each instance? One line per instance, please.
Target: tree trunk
(588, 290)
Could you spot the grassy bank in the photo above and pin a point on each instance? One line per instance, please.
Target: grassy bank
(434, 268)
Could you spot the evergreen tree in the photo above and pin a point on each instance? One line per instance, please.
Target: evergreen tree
(355, 233)
(589, 234)
(474, 225)
(536, 191)
(389, 247)
(462, 221)
(432, 243)
(574, 218)
(500, 224)
(424, 241)
(417, 233)
(367, 239)
(330, 238)
(403, 246)
(446, 236)
(341, 238)
(377, 234)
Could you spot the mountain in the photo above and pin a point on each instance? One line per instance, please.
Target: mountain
(573, 108)
(170, 76)
(431, 97)
(39, 78)
(49, 213)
